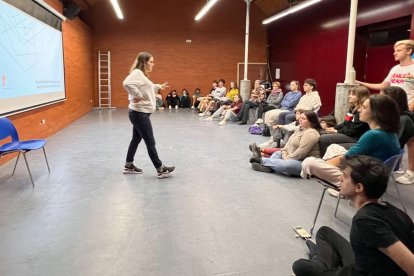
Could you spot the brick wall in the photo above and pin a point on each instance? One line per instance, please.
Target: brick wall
(77, 40)
(162, 27)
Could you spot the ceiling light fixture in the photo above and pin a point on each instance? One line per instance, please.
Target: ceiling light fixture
(117, 9)
(291, 10)
(205, 9)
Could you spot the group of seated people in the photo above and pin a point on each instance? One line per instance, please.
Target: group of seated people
(349, 155)
(175, 101)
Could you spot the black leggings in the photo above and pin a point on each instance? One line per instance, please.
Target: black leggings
(142, 129)
(334, 256)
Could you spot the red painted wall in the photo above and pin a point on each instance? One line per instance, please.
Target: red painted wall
(77, 42)
(313, 42)
(162, 27)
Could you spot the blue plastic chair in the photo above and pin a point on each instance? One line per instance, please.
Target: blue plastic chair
(7, 129)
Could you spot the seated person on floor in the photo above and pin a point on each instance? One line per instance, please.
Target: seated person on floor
(279, 138)
(228, 99)
(215, 104)
(214, 97)
(197, 95)
(289, 102)
(256, 97)
(309, 101)
(227, 112)
(185, 100)
(380, 112)
(204, 100)
(406, 131)
(381, 238)
(352, 128)
(272, 102)
(327, 123)
(302, 143)
(173, 100)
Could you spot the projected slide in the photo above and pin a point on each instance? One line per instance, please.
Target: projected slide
(31, 61)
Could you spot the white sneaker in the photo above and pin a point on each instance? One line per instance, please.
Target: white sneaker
(161, 108)
(406, 179)
(333, 192)
(259, 121)
(222, 123)
(266, 144)
(202, 114)
(192, 107)
(176, 107)
(208, 119)
(169, 107)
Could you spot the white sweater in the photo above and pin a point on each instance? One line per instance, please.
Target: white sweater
(140, 87)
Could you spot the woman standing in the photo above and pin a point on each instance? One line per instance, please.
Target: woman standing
(141, 105)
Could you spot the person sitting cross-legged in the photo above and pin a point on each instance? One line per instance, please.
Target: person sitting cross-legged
(381, 238)
(302, 143)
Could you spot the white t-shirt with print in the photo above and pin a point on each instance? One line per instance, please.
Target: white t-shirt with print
(403, 76)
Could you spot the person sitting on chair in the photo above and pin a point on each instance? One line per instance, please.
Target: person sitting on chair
(381, 238)
(381, 114)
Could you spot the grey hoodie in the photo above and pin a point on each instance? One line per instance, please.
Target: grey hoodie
(140, 87)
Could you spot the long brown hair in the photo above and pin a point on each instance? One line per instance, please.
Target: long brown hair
(362, 94)
(140, 62)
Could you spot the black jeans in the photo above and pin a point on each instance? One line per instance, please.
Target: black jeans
(142, 129)
(334, 256)
(338, 138)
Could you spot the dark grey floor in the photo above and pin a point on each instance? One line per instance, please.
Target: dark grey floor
(215, 216)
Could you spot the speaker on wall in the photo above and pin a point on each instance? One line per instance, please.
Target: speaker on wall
(70, 9)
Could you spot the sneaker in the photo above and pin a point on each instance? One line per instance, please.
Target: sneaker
(334, 193)
(208, 119)
(222, 123)
(261, 168)
(259, 121)
(165, 171)
(169, 107)
(161, 108)
(208, 113)
(132, 170)
(406, 179)
(255, 160)
(192, 107)
(176, 107)
(202, 114)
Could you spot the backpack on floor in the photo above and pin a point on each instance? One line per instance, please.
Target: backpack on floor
(255, 129)
(266, 131)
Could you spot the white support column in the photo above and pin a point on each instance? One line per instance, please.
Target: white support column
(349, 70)
(245, 83)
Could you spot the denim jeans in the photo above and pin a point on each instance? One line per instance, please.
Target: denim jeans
(142, 129)
(280, 166)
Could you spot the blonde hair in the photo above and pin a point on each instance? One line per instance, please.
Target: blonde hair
(409, 43)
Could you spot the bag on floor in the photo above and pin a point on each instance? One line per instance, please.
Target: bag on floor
(255, 129)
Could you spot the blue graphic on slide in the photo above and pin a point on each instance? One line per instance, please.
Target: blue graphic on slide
(31, 55)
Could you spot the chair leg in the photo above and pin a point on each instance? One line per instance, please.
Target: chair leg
(47, 163)
(317, 211)
(398, 193)
(28, 169)
(337, 205)
(15, 164)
